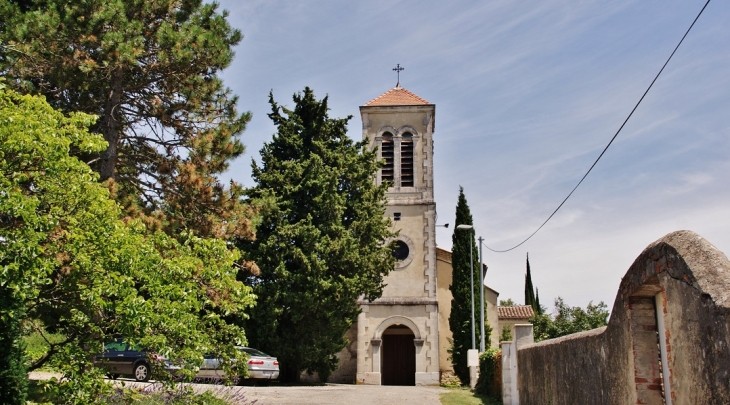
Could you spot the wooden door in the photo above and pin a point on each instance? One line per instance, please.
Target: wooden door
(399, 360)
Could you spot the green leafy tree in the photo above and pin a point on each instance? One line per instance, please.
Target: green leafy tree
(507, 303)
(569, 320)
(149, 71)
(320, 241)
(72, 266)
(461, 309)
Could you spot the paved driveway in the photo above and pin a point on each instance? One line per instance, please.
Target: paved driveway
(345, 394)
(331, 394)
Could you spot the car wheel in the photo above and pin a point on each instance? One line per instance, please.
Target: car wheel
(142, 372)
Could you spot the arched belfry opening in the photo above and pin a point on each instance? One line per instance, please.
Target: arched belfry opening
(399, 356)
(388, 170)
(406, 160)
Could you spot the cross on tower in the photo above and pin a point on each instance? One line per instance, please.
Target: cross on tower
(398, 69)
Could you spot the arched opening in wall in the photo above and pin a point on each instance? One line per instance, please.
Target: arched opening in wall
(648, 335)
(406, 160)
(399, 356)
(387, 152)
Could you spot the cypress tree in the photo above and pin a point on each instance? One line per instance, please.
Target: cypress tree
(529, 290)
(530, 295)
(319, 245)
(461, 303)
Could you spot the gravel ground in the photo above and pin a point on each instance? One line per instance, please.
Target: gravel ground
(330, 394)
(42, 375)
(345, 394)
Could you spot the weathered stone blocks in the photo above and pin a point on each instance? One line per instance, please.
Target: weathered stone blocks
(684, 281)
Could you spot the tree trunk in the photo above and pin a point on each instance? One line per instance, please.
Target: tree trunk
(289, 374)
(111, 127)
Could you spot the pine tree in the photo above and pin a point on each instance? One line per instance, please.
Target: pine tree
(319, 245)
(461, 303)
(149, 71)
(537, 307)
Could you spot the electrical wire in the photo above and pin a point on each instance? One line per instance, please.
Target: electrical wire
(612, 139)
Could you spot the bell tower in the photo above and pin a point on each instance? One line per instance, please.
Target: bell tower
(400, 125)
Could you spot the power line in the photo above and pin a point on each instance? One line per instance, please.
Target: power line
(612, 139)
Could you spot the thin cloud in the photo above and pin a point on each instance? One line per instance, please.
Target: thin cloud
(527, 94)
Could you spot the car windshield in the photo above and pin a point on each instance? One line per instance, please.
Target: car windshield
(116, 346)
(120, 345)
(254, 352)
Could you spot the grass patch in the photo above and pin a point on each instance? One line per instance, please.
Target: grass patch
(36, 346)
(464, 396)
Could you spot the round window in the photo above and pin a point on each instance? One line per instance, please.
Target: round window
(401, 251)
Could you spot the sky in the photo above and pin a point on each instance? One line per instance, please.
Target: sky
(527, 95)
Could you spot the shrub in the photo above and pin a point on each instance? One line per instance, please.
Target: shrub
(13, 374)
(490, 374)
(450, 380)
(506, 334)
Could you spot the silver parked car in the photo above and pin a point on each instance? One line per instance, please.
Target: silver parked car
(261, 366)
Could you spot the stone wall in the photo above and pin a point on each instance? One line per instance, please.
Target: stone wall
(668, 338)
(346, 363)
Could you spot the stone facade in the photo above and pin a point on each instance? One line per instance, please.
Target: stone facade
(406, 123)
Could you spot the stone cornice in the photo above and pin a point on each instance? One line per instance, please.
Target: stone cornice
(400, 301)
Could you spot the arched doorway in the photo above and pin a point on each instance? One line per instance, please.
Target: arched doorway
(399, 356)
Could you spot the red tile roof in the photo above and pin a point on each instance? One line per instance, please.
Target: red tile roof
(397, 96)
(516, 312)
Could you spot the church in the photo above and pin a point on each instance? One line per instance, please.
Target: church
(403, 337)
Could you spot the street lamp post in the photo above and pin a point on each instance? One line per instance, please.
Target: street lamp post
(471, 273)
(481, 294)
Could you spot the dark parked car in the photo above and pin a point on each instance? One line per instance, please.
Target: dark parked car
(261, 366)
(120, 358)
